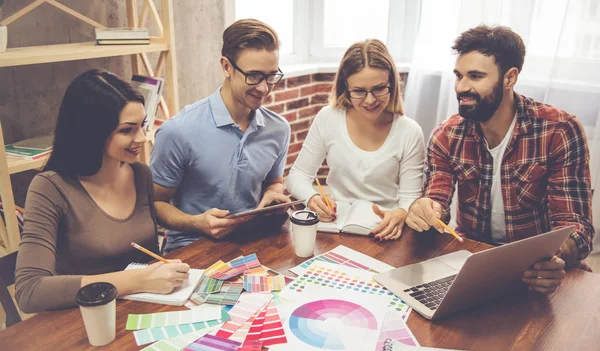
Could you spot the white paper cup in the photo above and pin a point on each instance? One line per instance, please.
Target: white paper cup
(304, 232)
(97, 302)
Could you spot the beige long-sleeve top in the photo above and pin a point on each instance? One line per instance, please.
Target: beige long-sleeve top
(66, 235)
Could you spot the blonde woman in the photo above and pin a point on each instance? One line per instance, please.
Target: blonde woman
(374, 152)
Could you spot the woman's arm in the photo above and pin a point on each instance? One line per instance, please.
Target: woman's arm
(300, 179)
(39, 288)
(410, 174)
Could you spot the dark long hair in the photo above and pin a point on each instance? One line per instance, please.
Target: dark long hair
(88, 115)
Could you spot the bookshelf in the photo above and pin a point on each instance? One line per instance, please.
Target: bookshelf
(74, 51)
(138, 12)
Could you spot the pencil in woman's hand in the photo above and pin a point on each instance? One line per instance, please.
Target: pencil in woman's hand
(148, 252)
(323, 194)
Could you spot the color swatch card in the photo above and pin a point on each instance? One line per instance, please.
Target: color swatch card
(178, 342)
(209, 285)
(242, 332)
(257, 324)
(395, 328)
(146, 336)
(229, 295)
(213, 343)
(247, 306)
(253, 345)
(345, 256)
(333, 320)
(151, 320)
(237, 267)
(215, 268)
(272, 332)
(257, 283)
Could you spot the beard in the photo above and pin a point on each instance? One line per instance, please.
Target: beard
(484, 108)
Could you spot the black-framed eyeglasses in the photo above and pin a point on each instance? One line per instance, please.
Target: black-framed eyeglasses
(376, 92)
(256, 78)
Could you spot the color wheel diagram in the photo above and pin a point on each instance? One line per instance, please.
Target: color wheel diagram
(322, 323)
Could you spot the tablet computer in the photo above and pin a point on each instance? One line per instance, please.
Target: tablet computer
(281, 206)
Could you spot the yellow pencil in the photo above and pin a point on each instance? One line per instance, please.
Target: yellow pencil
(323, 194)
(451, 231)
(148, 252)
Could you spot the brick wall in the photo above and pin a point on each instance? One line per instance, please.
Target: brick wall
(298, 99)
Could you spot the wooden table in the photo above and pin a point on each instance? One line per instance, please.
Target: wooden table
(567, 320)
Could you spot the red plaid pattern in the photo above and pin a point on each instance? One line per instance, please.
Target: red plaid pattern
(545, 175)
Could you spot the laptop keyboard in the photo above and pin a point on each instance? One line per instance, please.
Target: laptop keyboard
(431, 294)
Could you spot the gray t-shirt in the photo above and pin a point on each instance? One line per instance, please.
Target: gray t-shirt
(67, 235)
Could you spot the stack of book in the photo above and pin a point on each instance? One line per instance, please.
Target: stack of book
(122, 36)
(31, 149)
(151, 89)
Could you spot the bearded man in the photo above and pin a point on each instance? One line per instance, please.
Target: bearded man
(522, 166)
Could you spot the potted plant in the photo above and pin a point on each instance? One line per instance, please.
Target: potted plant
(3, 31)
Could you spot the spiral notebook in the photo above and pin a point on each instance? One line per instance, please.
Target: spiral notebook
(393, 345)
(176, 298)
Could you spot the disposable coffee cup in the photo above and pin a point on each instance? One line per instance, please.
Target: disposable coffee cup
(304, 232)
(97, 302)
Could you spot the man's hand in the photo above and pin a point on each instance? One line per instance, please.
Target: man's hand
(545, 276)
(424, 214)
(390, 227)
(273, 197)
(213, 223)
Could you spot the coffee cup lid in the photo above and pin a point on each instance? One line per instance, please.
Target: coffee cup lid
(96, 294)
(304, 217)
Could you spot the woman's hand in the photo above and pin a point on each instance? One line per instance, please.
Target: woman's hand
(391, 224)
(317, 204)
(163, 278)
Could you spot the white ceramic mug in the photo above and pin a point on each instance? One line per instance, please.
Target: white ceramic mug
(304, 232)
(97, 302)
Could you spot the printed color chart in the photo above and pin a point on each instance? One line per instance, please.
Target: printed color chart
(345, 256)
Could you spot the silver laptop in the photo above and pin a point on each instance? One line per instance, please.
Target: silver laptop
(443, 285)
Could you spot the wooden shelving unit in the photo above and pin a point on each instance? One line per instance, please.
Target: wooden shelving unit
(137, 16)
(33, 55)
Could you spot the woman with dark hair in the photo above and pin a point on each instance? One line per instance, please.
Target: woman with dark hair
(92, 200)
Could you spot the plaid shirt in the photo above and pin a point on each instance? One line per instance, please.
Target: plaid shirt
(545, 175)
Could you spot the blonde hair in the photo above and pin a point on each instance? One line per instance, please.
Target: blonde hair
(369, 53)
(248, 34)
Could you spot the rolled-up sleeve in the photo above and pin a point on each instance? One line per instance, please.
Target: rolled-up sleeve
(569, 191)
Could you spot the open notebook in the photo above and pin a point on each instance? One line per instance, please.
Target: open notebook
(357, 218)
(176, 298)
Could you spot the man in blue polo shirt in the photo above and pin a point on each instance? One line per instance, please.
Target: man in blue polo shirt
(223, 154)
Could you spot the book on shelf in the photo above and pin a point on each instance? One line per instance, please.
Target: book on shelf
(123, 42)
(122, 33)
(27, 154)
(39, 143)
(151, 89)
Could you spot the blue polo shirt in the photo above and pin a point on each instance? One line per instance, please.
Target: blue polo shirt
(205, 155)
